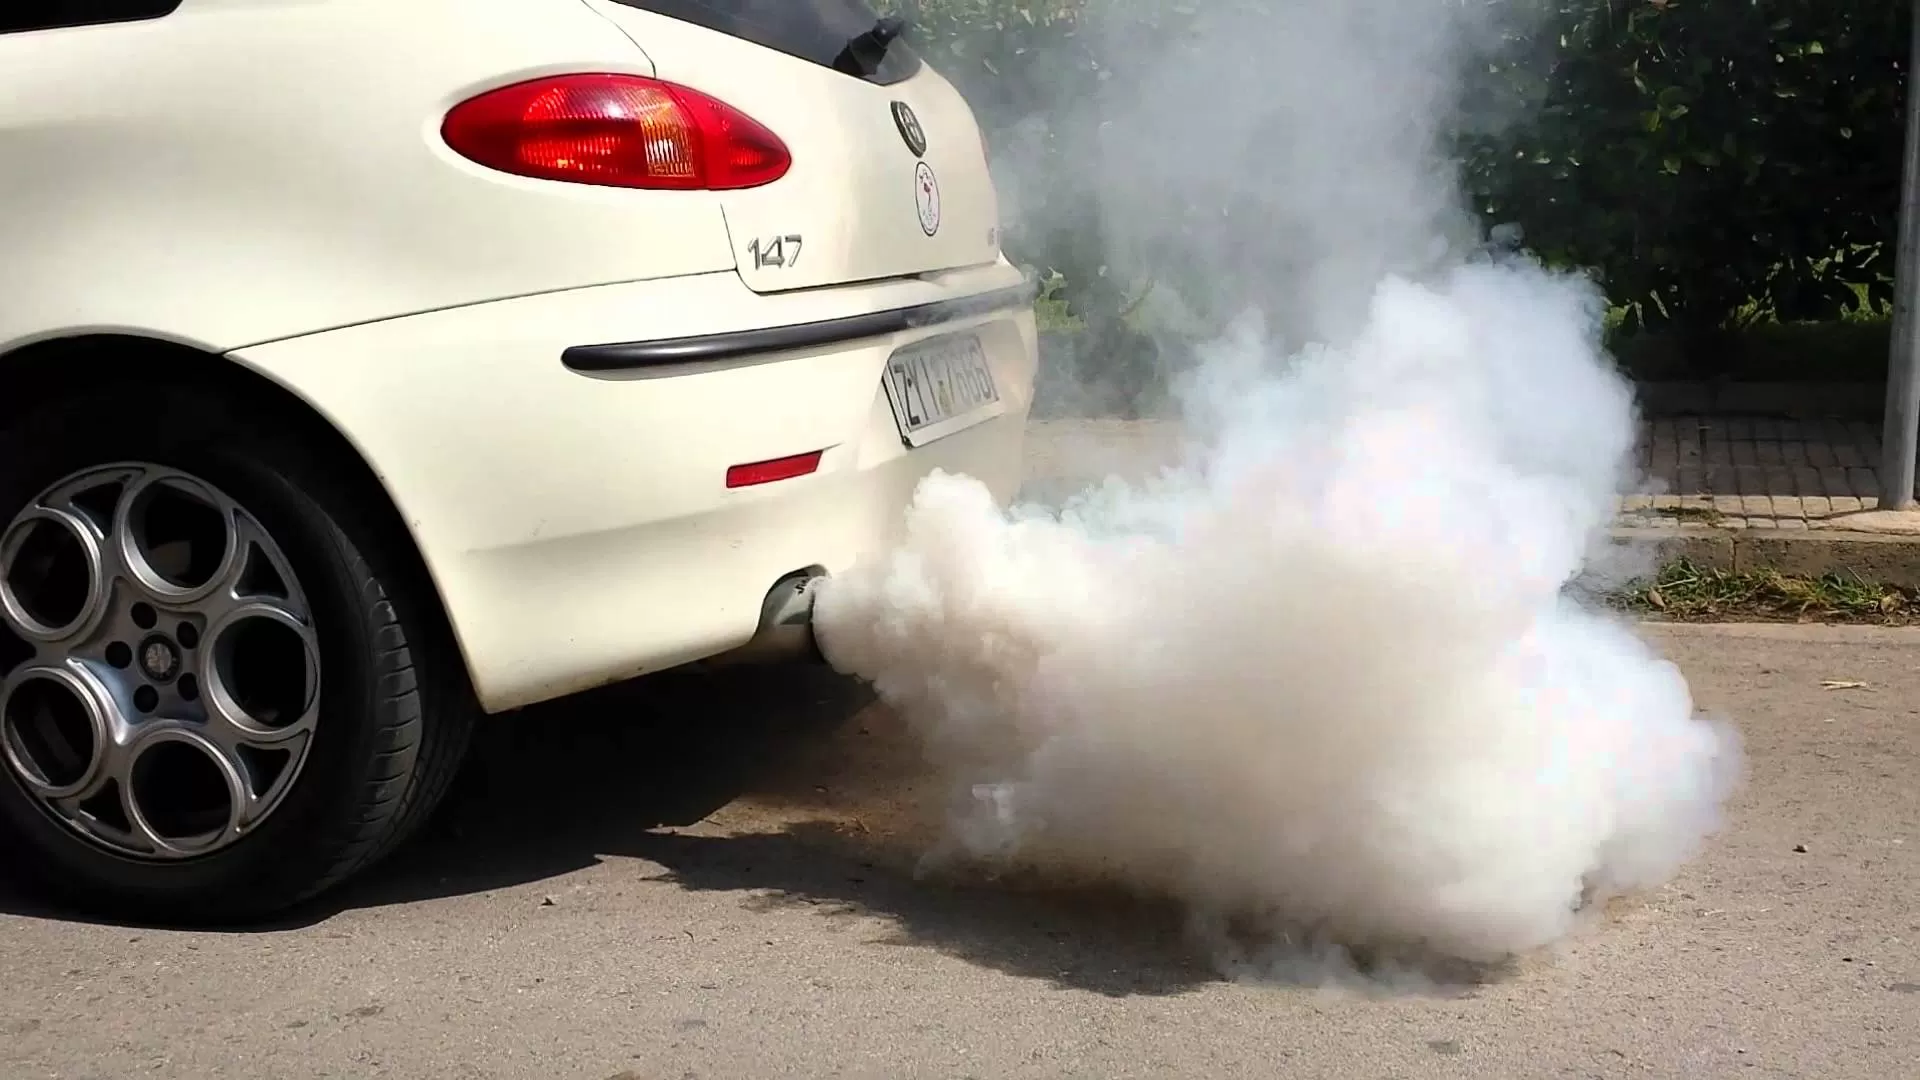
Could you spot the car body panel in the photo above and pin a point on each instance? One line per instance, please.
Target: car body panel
(851, 195)
(578, 527)
(239, 172)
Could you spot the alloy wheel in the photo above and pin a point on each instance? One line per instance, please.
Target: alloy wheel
(162, 687)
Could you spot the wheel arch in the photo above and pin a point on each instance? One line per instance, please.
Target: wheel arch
(42, 370)
(48, 368)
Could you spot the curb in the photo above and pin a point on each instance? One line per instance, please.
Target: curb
(1877, 557)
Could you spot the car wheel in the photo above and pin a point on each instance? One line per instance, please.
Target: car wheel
(224, 685)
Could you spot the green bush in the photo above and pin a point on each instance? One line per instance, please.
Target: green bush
(1714, 162)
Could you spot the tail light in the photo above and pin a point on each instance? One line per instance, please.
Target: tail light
(616, 131)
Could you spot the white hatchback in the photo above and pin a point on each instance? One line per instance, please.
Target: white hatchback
(368, 366)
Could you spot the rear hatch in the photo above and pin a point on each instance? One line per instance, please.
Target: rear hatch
(889, 175)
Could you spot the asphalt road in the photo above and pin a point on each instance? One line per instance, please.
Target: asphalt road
(547, 931)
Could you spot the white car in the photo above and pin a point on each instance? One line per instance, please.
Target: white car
(369, 366)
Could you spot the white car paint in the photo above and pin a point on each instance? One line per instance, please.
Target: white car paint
(264, 180)
(852, 190)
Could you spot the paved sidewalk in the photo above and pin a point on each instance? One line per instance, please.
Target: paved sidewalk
(1731, 472)
(1740, 472)
(1725, 492)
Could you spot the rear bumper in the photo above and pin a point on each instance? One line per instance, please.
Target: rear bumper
(577, 522)
(762, 342)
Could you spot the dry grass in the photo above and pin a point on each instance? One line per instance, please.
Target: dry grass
(1684, 592)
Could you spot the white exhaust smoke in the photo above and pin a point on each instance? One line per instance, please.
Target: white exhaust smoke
(1325, 675)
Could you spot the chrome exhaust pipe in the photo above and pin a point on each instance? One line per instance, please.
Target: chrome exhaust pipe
(785, 633)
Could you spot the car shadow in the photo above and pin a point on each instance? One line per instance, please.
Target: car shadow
(544, 788)
(562, 787)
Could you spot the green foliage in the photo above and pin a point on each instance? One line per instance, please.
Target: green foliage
(1714, 162)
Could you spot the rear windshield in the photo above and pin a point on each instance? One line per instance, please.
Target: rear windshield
(821, 31)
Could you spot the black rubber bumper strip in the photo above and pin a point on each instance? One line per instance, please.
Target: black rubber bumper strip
(733, 345)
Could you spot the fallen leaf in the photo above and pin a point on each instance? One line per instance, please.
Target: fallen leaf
(1655, 600)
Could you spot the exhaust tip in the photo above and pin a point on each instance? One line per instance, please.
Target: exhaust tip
(785, 633)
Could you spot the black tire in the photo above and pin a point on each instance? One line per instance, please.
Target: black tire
(396, 708)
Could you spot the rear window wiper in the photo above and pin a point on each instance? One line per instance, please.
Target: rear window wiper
(865, 53)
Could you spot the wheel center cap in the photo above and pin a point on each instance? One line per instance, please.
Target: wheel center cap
(159, 659)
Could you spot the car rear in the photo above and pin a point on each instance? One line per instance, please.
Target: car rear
(634, 316)
(608, 479)
(869, 134)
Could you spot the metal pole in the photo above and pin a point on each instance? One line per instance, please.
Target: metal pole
(1900, 428)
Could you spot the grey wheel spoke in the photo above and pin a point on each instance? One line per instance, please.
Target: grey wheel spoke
(176, 538)
(55, 575)
(259, 670)
(255, 575)
(160, 833)
(256, 780)
(93, 496)
(174, 688)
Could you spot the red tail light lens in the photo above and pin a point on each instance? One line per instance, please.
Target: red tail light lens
(616, 131)
(767, 472)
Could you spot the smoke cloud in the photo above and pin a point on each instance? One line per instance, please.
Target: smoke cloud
(1323, 677)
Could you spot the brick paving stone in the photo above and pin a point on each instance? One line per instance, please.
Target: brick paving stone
(1687, 438)
(1755, 472)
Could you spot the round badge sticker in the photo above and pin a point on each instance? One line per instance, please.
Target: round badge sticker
(926, 197)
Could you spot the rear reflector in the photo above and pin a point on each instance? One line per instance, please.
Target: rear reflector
(616, 131)
(766, 472)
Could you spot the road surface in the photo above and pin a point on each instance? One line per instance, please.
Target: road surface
(546, 932)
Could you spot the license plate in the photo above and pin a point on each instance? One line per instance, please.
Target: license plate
(940, 386)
